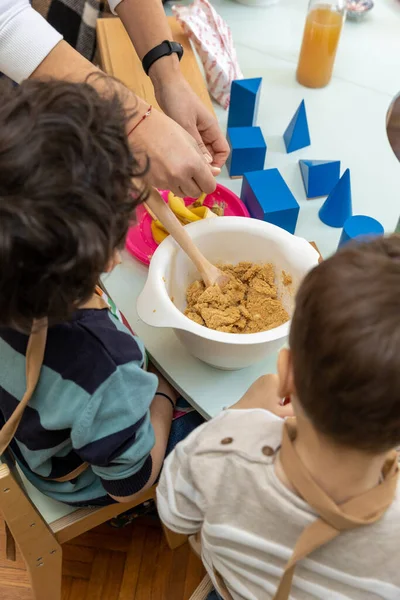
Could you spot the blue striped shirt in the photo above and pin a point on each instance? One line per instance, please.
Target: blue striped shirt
(91, 405)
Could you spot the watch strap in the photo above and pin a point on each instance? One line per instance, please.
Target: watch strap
(166, 48)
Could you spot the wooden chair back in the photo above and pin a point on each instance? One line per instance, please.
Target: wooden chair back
(40, 539)
(203, 589)
(37, 543)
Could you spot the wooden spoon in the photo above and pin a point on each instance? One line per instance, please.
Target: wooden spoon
(210, 274)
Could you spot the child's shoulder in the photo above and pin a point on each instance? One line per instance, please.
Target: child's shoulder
(255, 434)
(91, 347)
(102, 330)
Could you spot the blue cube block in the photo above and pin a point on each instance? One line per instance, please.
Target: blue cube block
(319, 176)
(248, 150)
(268, 198)
(243, 106)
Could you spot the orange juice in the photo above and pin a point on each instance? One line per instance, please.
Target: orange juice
(320, 42)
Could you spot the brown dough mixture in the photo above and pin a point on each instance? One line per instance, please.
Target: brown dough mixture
(248, 303)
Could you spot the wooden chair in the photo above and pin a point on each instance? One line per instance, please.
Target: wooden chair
(175, 540)
(40, 525)
(203, 589)
(205, 586)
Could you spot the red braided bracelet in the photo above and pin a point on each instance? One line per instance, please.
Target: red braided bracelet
(146, 114)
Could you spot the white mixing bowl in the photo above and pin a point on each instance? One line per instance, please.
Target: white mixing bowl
(223, 240)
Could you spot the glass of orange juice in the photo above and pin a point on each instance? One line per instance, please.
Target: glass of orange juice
(320, 41)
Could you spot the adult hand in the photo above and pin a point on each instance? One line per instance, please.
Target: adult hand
(147, 27)
(179, 101)
(176, 163)
(264, 394)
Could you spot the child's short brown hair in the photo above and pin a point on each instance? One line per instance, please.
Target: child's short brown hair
(345, 342)
(66, 196)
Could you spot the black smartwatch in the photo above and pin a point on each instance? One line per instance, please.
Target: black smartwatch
(166, 48)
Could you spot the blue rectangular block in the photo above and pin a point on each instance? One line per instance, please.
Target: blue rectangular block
(248, 150)
(268, 198)
(243, 106)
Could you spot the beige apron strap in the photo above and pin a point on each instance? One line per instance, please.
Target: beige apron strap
(361, 510)
(34, 359)
(72, 475)
(96, 301)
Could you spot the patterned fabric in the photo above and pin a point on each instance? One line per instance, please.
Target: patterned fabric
(91, 405)
(75, 20)
(213, 41)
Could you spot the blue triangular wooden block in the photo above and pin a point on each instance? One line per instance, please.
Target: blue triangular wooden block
(243, 107)
(297, 135)
(319, 176)
(337, 207)
(304, 167)
(252, 85)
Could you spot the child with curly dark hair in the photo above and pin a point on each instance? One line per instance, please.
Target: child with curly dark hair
(88, 424)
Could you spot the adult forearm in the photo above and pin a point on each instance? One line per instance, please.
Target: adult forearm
(174, 158)
(147, 26)
(25, 39)
(63, 62)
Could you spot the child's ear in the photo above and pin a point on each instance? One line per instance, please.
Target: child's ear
(114, 261)
(285, 374)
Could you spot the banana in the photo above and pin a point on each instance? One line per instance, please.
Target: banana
(159, 234)
(178, 207)
(185, 214)
(199, 202)
(160, 226)
(202, 211)
(173, 198)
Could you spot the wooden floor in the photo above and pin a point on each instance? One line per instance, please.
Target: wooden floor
(133, 563)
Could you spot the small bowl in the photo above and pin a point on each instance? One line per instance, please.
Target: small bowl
(227, 240)
(357, 9)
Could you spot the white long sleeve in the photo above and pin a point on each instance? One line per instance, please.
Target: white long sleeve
(113, 5)
(25, 39)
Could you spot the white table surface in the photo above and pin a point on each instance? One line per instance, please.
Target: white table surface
(347, 122)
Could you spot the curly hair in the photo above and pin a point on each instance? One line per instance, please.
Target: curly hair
(66, 196)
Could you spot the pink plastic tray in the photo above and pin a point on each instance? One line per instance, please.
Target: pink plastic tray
(140, 242)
